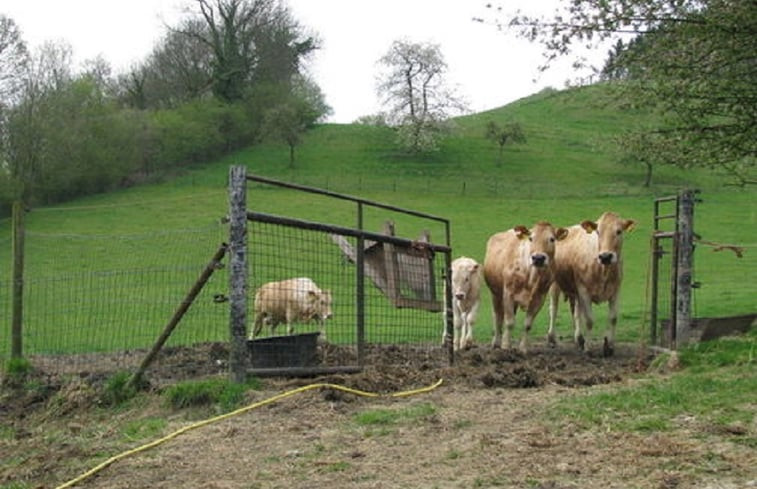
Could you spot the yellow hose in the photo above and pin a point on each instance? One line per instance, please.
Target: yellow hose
(241, 410)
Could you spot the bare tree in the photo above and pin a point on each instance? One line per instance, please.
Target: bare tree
(418, 99)
(242, 35)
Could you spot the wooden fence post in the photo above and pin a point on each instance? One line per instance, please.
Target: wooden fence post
(238, 354)
(18, 281)
(684, 264)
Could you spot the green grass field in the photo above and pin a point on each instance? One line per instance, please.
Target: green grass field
(565, 173)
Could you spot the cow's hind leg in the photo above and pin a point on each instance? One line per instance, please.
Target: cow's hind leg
(498, 313)
(554, 298)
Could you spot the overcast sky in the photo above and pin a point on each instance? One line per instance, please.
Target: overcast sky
(489, 68)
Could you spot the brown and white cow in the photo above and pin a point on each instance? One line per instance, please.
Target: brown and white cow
(518, 268)
(291, 301)
(466, 298)
(589, 269)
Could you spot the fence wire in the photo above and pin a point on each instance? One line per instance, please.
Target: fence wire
(99, 302)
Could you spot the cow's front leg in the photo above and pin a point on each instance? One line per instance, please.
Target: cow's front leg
(322, 329)
(470, 319)
(526, 330)
(583, 305)
(290, 315)
(608, 348)
(457, 323)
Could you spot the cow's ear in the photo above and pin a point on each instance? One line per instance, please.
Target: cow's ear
(629, 224)
(589, 226)
(522, 232)
(561, 233)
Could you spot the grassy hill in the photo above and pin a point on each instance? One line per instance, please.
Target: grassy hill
(566, 172)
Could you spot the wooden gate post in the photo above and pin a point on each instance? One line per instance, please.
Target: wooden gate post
(684, 264)
(18, 281)
(238, 354)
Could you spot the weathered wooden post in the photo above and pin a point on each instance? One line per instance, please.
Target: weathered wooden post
(684, 264)
(18, 281)
(238, 355)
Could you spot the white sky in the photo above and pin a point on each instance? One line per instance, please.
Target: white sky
(488, 68)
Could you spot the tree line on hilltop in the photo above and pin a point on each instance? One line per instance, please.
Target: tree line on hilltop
(228, 75)
(231, 73)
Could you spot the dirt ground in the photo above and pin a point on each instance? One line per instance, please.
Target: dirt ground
(480, 428)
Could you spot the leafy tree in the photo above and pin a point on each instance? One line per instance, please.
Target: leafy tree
(511, 132)
(251, 41)
(414, 90)
(692, 60)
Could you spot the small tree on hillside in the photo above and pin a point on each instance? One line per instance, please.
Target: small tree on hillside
(509, 133)
(299, 110)
(417, 99)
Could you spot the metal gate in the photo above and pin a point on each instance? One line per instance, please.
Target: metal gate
(672, 268)
(387, 290)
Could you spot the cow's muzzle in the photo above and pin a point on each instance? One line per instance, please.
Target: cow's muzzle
(606, 258)
(539, 259)
(459, 296)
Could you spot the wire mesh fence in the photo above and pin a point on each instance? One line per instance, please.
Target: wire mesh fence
(98, 302)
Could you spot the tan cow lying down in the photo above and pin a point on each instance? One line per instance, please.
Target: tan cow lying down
(518, 269)
(466, 298)
(589, 269)
(291, 301)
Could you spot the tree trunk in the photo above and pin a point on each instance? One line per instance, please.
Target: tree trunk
(648, 176)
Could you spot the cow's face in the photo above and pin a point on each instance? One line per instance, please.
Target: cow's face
(543, 237)
(323, 307)
(462, 279)
(610, 229)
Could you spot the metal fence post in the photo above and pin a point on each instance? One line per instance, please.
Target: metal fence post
(238, 355)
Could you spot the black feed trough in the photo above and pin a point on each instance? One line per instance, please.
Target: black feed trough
(291, 351)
